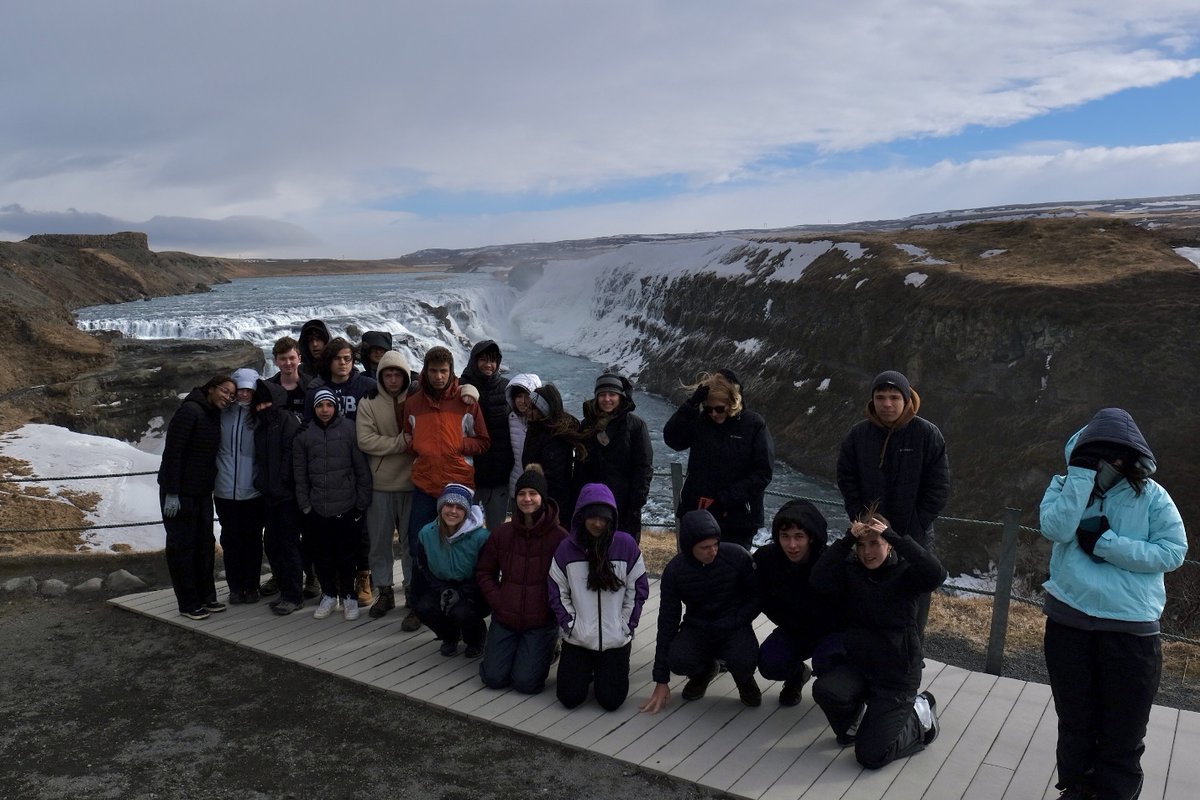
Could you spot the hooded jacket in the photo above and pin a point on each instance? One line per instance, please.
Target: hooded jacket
(903, 467)
(555, 452)
(450, 564)
(380, 429)
(518, 424)
(348, 394)
(308, 363)
(879, 607)
(622, 458)
(274, 436)
(434, 424)
(1145, 537)
(332, 476)
(492, 467)
(236, 466)
(514, 568)
(732, 463)
(784, 587)
(589, 618)
(189, 459)
(372, 339)
(719, 597)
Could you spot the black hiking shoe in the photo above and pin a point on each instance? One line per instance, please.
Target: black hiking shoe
(696, 686)
(385, 603)
(789, 695)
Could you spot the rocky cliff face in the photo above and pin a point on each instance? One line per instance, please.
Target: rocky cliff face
(43, 278)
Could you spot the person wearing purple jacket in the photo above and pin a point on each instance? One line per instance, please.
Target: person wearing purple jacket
(598, 585)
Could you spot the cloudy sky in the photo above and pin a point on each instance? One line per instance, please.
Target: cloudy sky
(372, 129)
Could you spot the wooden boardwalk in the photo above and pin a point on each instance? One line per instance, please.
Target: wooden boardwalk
(997, 738)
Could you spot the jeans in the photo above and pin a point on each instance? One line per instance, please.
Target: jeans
(520, 659)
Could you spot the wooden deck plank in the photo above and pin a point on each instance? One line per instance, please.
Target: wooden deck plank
(1183, 778)
(997, 739)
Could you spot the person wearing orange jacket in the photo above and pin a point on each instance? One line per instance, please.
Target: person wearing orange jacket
(439, 442)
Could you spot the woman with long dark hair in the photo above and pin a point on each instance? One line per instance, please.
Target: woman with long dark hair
(598, 584)
(553, 442)
(618, 450)
(186, 478)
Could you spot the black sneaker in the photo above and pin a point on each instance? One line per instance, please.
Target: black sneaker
(312, 587)
(236, 598)
(411, 622)
(214, 607)
(845, 739)
(284, 607)
(250, 596)
(696, 686)
(269, 587)
(934, 726)
(473, 651)
(449, 649)
(195, 613)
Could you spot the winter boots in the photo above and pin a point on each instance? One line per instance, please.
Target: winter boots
(697, 685)
(748, 691)
(385, 603)
(789, 695)
(362, 588)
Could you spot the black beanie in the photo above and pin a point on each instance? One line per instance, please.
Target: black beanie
(533, 479)
(892, 380)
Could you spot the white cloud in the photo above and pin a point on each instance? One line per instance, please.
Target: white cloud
(310, 112)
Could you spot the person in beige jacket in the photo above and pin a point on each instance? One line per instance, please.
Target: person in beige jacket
(381, 437)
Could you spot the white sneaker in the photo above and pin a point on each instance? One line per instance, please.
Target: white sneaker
(325, 607)
(350, 608)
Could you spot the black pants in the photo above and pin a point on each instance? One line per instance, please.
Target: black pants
(282, 543)
(890, 728)
(1104, 684)
(242, 541)
(191, 551)
(463, 620)
(335, 545)
(579, 667)
(694, 649)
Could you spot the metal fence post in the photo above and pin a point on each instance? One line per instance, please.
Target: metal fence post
(676, 484)
(1004, 579)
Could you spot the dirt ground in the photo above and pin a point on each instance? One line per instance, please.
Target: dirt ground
(96, 702)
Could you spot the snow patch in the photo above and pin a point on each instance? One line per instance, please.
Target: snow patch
(823, 386)
(799, 383)
(748, 346)
(920, 254)
(810, 410)
(860, 283)
(1192, 254)
(991, 253)
(54, 451)
(767, 306)
(915, 279)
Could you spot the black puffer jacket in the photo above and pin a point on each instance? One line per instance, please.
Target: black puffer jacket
(493, 467)
(189, 459)
(720, 597)
(880, 607)
(732, 463)
(332, 476)
(625, 464)
(273, 437)
(784, 588)
(907, 472)
(554, 451)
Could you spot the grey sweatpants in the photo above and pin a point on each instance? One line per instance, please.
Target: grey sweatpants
(387, 514)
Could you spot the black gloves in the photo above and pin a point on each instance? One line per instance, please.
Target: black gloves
(1089, 532)
(699, 395)
(1085, 460)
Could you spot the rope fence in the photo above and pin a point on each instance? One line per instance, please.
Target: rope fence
(1002, 596)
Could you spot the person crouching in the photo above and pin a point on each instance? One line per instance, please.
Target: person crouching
(444, 558)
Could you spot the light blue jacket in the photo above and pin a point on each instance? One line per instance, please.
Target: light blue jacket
(1146, 539)
(236, 467)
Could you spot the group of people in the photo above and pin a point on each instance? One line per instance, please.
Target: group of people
(506, 506)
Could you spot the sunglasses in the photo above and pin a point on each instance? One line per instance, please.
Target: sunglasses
(715, 409)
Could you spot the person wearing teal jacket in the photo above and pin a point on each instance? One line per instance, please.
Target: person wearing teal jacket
(1115, 533)
(445, 555)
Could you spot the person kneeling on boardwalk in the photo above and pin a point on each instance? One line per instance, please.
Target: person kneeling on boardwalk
(445, 556)
(805, 625)
(512, 574)
(714, 580)
(597, 586)
(876, 578)
(333, 490)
